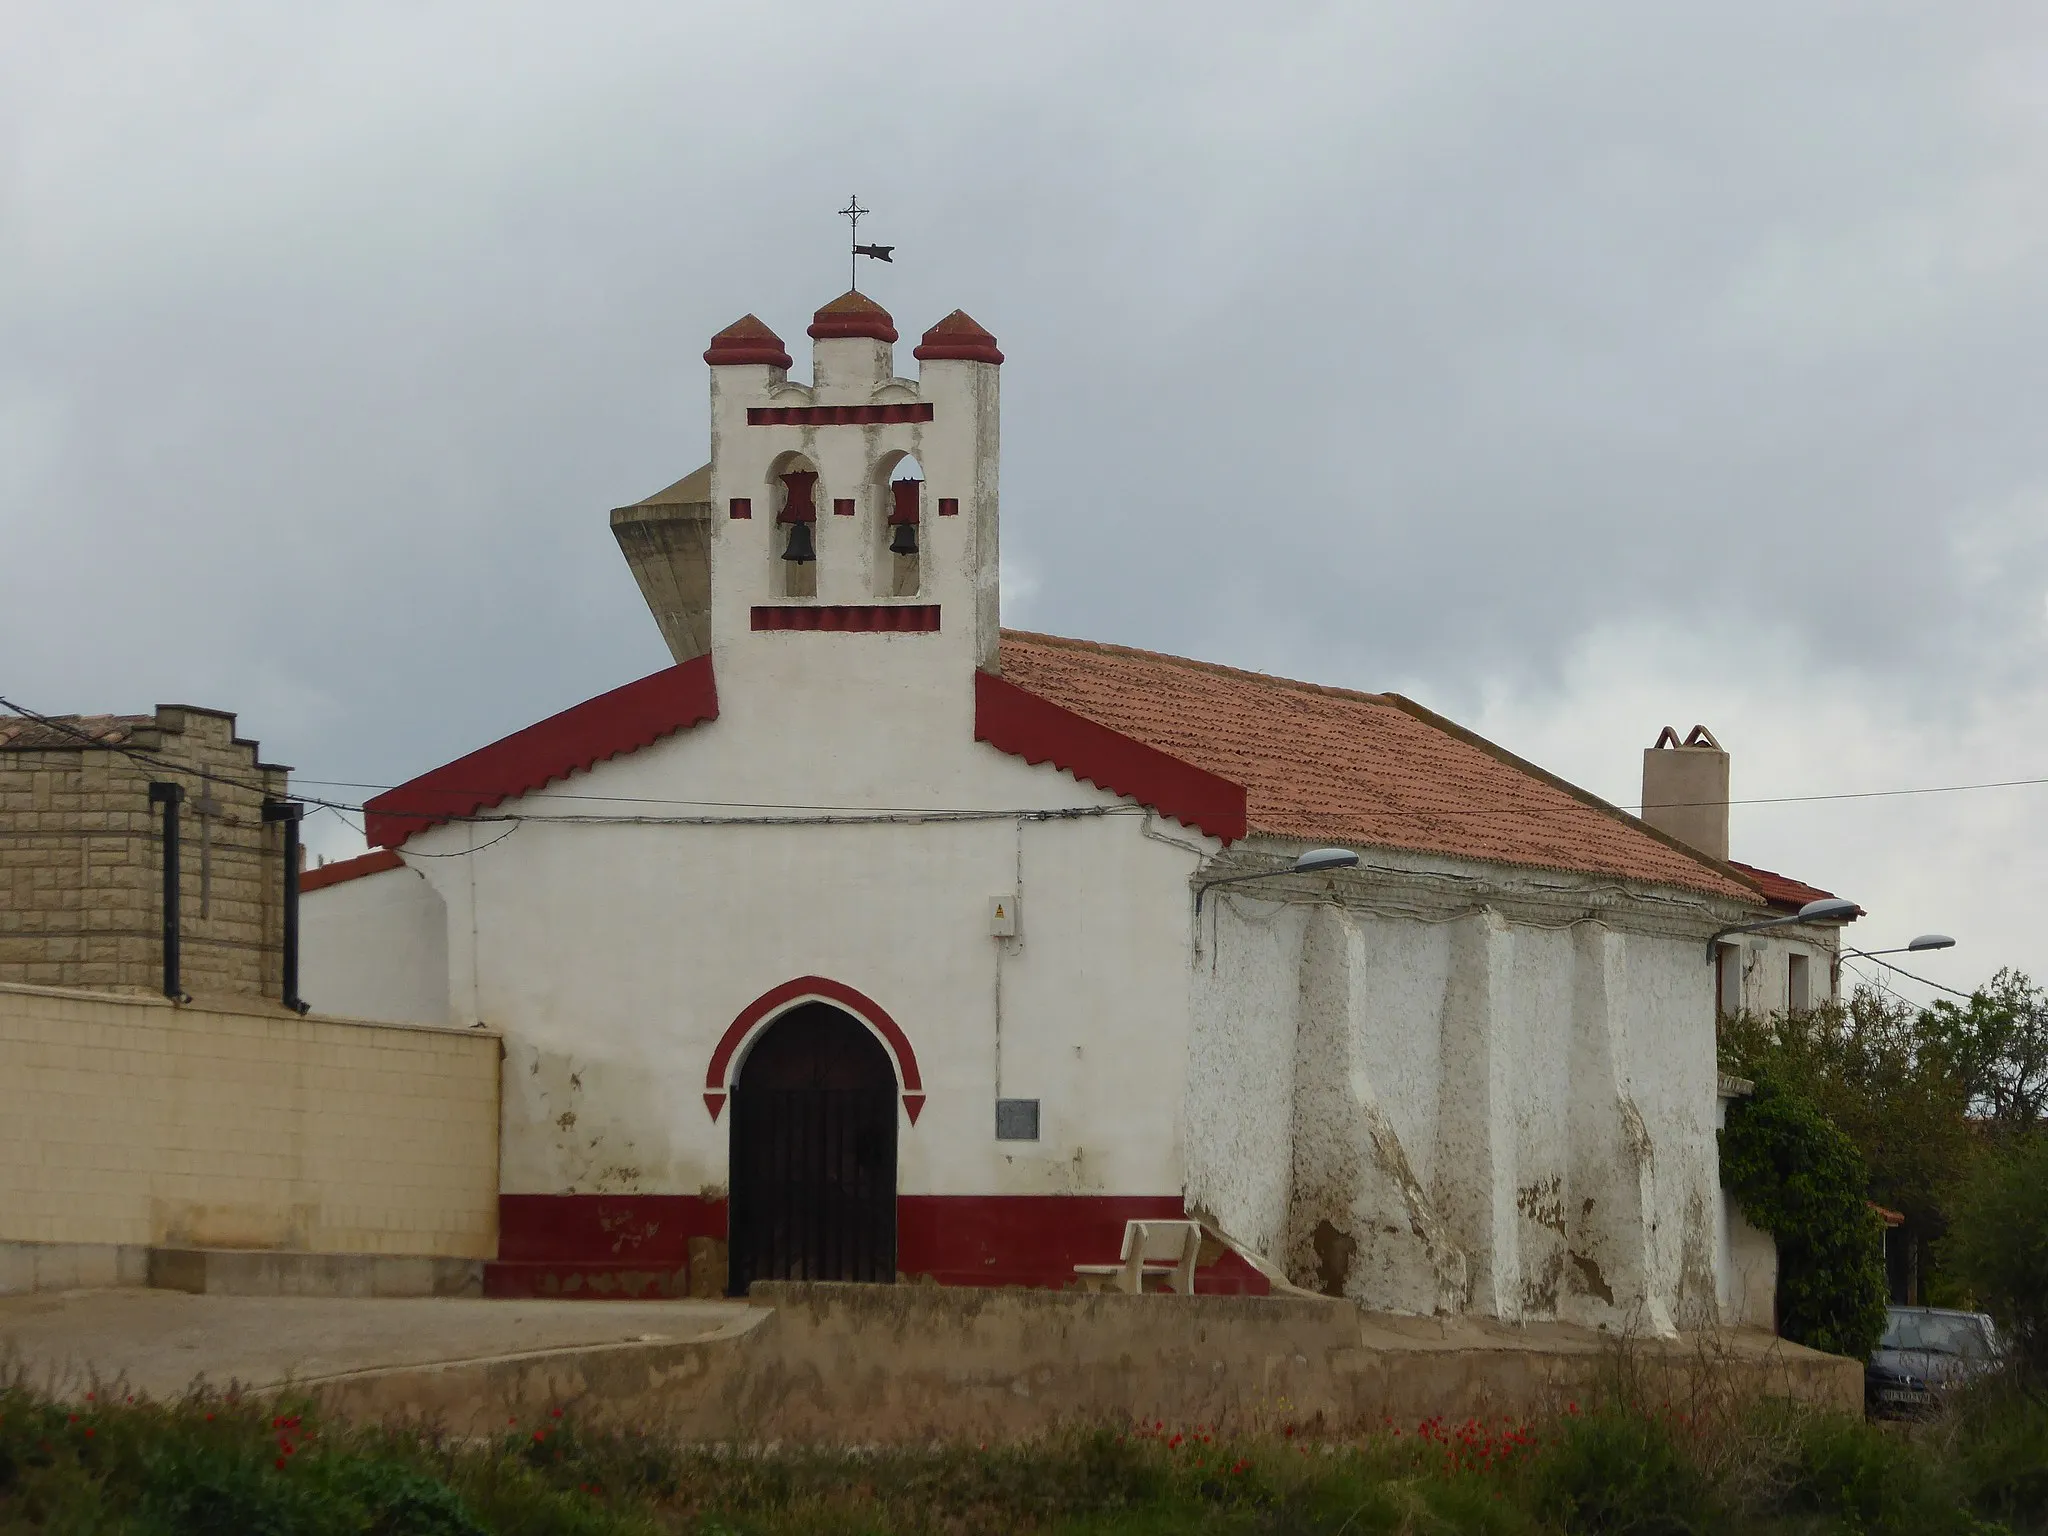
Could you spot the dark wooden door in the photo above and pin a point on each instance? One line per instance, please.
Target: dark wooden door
(814, 1154)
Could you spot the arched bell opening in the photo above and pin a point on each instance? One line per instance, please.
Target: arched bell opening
(793, 492)
(900, 531)
(813, 1153)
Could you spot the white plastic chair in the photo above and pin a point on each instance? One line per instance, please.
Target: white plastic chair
(1151, 1248)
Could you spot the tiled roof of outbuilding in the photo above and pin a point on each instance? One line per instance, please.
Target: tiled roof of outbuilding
(1324, 764)
(1782, 890)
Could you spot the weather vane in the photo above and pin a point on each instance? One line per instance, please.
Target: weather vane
(852, 213)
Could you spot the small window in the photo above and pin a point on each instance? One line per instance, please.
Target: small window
(1798, 983)
(1727, 978)
(1016, 1119)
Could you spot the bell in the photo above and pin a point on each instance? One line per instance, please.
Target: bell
(799, 551)
(903, 539)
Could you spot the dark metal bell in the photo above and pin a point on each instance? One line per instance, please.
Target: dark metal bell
(799, 549)
(903, 539)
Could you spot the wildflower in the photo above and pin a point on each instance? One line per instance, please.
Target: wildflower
(1289, 1431)
(539, 1435)
(88, 1431)
(280, 1463)
(555, 1413)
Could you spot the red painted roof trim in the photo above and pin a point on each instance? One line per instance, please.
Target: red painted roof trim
(1021, 723)
(747, 340)
(375, 862)
(958, 337)
(852, 314)
(577, 739)
(777, 1001)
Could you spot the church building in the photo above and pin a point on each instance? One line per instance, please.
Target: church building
(874, 941)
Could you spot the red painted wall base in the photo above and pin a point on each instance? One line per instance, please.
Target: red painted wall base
(610, 1246)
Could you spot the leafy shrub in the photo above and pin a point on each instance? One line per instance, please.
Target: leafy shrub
(1870, 1481)
(1998, 1245)
(1801, 1180)
(1621, 1472)
(1999, 1446)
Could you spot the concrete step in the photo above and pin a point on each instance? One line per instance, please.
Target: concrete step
(245, 1272)
(572, 1279)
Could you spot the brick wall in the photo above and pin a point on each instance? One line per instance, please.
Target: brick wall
(81, 858)
(128, 1120)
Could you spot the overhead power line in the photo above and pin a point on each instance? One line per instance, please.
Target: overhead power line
(491, 795)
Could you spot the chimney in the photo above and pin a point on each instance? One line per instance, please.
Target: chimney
(1685, 790)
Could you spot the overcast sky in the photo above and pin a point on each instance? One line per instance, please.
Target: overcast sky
(1576, 368)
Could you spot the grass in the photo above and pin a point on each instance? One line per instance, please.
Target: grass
(216, 1465)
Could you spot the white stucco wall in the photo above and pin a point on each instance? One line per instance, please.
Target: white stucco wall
(376, 947)
(613, 957)
(1745, 1258)
(1496, 1090)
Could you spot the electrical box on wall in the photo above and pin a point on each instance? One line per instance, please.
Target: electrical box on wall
(1002, 916)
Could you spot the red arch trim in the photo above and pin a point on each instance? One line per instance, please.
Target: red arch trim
(776, 999)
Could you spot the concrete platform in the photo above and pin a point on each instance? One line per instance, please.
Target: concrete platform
(164, 1341)
(873, 1364)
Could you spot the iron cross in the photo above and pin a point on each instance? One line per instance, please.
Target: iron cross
(853, 213)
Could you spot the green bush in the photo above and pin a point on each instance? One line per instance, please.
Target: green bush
(1998, 1246)
(1800, 1179)
(1622, 1472)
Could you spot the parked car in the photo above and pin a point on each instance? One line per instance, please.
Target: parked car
(1925, 1352)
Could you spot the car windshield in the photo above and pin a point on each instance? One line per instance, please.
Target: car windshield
(1936, 1334)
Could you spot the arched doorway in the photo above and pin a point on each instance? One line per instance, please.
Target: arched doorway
(813, 1153)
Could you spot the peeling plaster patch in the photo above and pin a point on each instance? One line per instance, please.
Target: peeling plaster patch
(1543, 1203)
(582, 1127)
(1539, 1290)
(1587, 1279)
(1334, 1252)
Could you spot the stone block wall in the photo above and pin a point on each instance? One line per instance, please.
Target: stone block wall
(131, 1122)
(81, 856)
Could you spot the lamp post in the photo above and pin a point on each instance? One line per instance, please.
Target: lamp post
(1830, 909)
(1919, 946)
(1925, 942)
(1309, 863)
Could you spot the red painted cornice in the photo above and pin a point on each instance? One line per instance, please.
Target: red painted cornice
(957, 337)
(375, 862)
(1012, 720)
(610, 725)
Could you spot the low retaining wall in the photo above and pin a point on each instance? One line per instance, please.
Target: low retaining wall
(849, 1364)
(129, 1123)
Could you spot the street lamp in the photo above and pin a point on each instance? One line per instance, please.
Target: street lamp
(1315, 860)
(1829, 909)
(1925, 942)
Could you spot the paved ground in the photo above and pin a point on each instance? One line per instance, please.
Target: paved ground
(161, 1341)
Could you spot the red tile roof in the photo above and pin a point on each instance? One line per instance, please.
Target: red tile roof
(1782, 890)
(1323, 764)
(375, 862)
